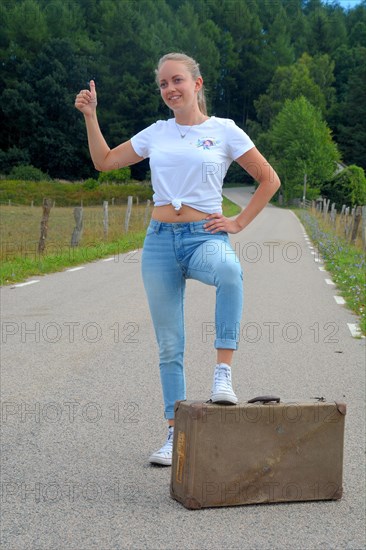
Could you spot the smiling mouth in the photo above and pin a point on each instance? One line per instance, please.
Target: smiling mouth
(174, 97)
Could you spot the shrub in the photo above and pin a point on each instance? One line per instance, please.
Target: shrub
(348, 187)
(28, 173)
(120, 175)
(312, 193)
(13, 157)
(90, 183)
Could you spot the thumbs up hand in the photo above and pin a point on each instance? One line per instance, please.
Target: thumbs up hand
(86, 100)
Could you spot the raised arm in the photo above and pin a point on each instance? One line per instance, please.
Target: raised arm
(103, 157)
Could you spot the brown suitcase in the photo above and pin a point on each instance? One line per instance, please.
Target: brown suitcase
(262, 451)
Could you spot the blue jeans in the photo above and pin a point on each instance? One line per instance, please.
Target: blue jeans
(172, 253)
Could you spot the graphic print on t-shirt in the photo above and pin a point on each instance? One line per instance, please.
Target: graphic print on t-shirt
(208, 143)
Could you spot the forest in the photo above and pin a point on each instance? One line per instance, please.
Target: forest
(291, 73)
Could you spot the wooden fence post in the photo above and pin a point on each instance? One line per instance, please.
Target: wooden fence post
(147, 210)
(326, 208)
(47, 205)
(128, 212)
(342, 213)
(333, 214)
(356, 223)
(346, 222)
(78, 230)
(363, 228)
(105, 218)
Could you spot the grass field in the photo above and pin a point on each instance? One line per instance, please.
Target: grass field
(20, 233)
(20, 227)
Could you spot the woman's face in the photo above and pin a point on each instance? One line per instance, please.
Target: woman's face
(177, 87)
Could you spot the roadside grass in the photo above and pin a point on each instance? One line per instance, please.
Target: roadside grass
(230, 208)
(19, 233)
(70, 194)
(345, 262)
(31, 263)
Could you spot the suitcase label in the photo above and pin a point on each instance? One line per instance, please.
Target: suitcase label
(181, 456)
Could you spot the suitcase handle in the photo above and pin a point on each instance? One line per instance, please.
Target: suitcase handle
(264, 399)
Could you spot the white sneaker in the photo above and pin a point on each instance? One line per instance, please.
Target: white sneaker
(164, 455)
(222, 390)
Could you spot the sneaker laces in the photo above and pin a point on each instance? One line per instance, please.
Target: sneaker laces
(222, 377)
(167, 448)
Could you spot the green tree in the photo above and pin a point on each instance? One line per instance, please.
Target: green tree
(278, 49)
(246, 49)
(27, 26)
(320, 29)
(298, 25)
(37, 110)
(288, 83)
(299, 142)
(241, 20)
(356, 25)
(352, 114)
(321, 70)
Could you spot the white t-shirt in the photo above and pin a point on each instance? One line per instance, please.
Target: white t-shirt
(191, 170)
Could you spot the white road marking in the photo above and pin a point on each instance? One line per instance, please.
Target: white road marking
(75, 269)
(355, 330)
(108, 259)
(27, 283)
(329, 282)
(340, 300)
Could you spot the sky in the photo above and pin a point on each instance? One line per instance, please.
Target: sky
(349, 3)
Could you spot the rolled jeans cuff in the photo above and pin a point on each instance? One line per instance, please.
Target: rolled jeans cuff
(169, 414)
(223, 343)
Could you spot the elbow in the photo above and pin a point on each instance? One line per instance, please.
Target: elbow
(103, 167)
(103, 164)
(272, 185)
(275, 182)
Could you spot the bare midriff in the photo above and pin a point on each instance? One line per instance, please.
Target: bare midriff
(185, 214)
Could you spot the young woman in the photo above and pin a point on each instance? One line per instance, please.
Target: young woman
(188, 235)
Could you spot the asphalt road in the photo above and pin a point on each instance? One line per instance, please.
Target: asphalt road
(82, 406)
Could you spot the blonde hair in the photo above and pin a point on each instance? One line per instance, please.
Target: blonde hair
(193, 67)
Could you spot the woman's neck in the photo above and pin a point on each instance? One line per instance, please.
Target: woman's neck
(190, 119)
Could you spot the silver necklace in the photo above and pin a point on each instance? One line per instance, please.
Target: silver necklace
(180, 133)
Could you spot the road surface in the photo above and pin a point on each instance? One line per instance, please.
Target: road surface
(82, 406)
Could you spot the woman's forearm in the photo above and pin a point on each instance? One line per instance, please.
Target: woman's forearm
(97, 145)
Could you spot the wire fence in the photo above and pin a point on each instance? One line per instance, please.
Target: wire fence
(349, 223)
(49, 227)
